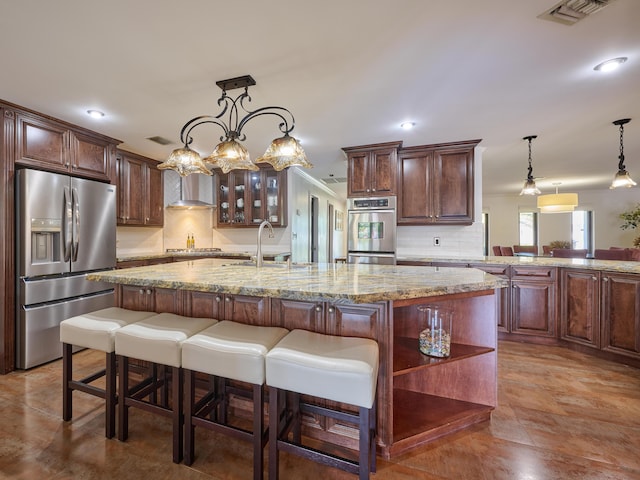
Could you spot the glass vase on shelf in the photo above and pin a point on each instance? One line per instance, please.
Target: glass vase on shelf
(435, 338)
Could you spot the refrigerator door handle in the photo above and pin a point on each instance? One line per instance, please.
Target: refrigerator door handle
(66, 223)
(76, 224)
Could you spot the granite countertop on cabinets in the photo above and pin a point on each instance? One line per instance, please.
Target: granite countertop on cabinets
(585, 263)
(338, 283)
(204, 252)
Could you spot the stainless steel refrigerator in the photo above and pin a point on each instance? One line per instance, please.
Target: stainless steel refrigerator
(65, 229)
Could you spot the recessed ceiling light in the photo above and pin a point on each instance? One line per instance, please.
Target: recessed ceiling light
(609, 65)
(407, 125)
(95, 113)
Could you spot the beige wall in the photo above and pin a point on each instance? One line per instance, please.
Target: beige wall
(606, 206)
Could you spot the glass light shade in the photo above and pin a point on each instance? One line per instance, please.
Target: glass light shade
(285, 152)
(530, 188)
(185, 161)
(622, 179)
(558, 202)
(230, 155)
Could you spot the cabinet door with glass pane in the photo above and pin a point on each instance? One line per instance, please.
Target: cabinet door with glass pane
(246, 198)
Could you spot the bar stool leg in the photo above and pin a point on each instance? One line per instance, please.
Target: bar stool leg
(274, 432)
(176, 405)
(67, 369)
(110, 394)
(123, 409)
(258, 429)
(189, 429)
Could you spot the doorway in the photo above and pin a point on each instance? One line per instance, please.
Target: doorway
(314, 215)
(330, 223)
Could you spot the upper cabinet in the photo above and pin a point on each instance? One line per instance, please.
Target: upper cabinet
(435, 184)
(47, 144)
(372, 170)
(140, 191)
(246, 198)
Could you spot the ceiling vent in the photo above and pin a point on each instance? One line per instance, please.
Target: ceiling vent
(331, 180)
(160, 140)
(569, 12)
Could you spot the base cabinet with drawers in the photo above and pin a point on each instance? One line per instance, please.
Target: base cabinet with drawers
(419, 398)
(580, 306)
(591, 310)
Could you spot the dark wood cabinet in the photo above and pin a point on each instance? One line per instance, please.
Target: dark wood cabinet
(150, 299)
(47, 144)
(436, 184)
(372, 170)
(246, 198)
(620, 315)
(140, 191)
(503, 295)
(533, 301)
(239, 308)
(580, 306)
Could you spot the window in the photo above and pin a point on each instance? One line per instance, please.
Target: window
(485, 233)
(528, 226)
(582, 230)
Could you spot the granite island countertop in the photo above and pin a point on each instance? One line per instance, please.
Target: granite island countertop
(338, 283)
(585, 263)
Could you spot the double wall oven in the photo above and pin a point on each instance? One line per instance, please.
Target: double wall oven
(372, 230)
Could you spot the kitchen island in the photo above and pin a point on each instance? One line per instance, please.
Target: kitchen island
(419, 398)
(588, 305)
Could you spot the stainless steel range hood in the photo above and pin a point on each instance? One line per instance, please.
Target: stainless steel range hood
(195, 191)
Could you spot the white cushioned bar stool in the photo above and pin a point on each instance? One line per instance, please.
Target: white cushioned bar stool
(158, 340)
(340, 369)
(228, 351)
(96, 331)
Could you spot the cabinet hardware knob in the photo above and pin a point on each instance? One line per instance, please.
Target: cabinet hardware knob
(218, 299)
(147, 219)
(368, 190)
(594, 278)
(605, 279)
(141, 291)
(227, 299)
(373, 189)
(332, 309)
(318, 308)
(148, 291)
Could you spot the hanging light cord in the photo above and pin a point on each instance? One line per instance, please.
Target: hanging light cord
(621, 157)
(530, 174)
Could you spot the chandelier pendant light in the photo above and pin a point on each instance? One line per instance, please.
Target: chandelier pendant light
(529, 187)
(622, 177)
(230, 154)
(557, 202)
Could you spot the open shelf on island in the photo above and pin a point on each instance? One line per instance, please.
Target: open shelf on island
(408, 357)
(420, 418)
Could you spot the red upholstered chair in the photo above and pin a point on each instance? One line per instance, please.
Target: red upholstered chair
(496, 251)
(528, 249)
(506, 251)
(623, 254)
(569, 253)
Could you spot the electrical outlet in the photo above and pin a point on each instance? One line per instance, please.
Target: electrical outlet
(436, 241)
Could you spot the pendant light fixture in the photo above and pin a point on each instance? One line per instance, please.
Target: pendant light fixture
(557, 202)
(622, 178)
(230, 154)
(529, 187)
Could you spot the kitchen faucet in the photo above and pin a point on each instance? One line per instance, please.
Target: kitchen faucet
(259, 259)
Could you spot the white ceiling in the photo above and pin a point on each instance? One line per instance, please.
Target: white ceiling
(349, 70)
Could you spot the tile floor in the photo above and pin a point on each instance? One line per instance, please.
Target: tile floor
(561, 415)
